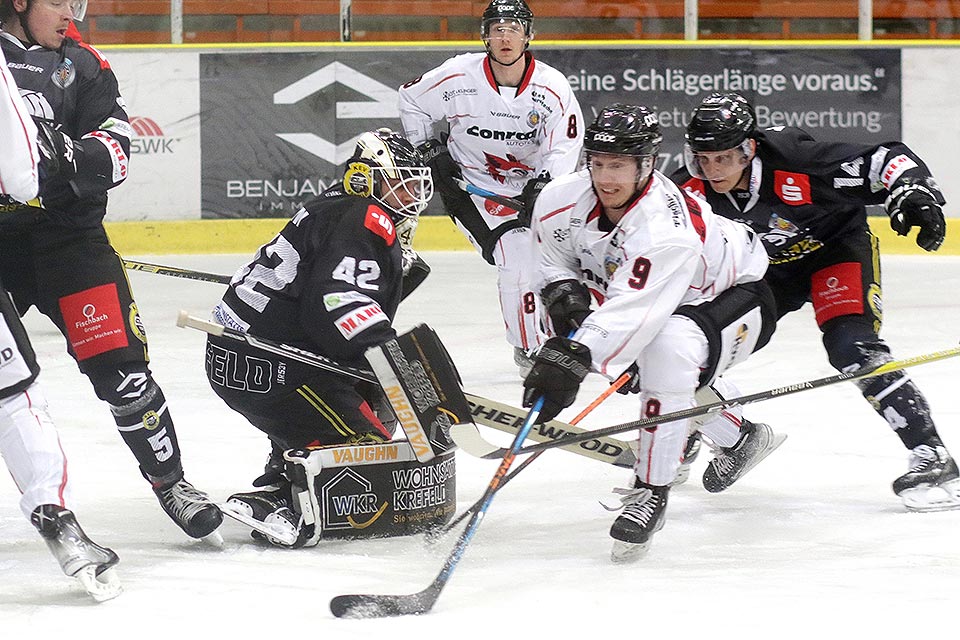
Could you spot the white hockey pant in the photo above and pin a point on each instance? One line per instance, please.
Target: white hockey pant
(670, 371)
(31, 449)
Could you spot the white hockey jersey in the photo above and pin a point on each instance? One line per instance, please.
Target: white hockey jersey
(19, 158)
(668, 250)
(500, 136)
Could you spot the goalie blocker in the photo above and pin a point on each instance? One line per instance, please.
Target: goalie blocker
(423, 387)
(374, 490)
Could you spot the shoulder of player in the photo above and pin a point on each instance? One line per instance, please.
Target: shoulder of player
(564, 193)
(88, 58)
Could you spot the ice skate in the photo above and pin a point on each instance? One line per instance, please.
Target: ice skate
(79, 556)
(644, 513)
(523, 361)
(932, 483)
(268, 513)
(690, 452)
(192, 510)
(731, 463)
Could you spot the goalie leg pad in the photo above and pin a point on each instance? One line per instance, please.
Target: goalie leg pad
(423, 387)
(371, 491)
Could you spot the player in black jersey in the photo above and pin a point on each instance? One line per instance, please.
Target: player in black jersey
(55, 254)
(330, 283)
(807, 199)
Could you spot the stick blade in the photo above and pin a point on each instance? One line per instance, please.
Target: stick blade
(468, 437)
(382, 606)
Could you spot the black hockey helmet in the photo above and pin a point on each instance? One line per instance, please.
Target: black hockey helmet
(385, 166)
(721, 122)
(628, 130)
(507, 11)
(624, 129)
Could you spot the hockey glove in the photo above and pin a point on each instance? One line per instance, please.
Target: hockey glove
(57, 151)
(633, 384)
(558, 369)
(531, 191)
(442, 167)
(567, 303)
(415, 271)
(913, 203)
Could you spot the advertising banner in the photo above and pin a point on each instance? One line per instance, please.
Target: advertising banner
(276, 126)
(161, 92)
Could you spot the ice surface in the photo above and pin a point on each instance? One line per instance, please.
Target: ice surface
(812, 540)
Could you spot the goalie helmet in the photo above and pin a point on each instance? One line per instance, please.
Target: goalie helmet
(507, 11)
(724, 122)
(386, 167)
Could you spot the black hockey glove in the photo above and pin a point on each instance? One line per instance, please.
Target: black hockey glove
(913, 203)
(415, 271)
(633, 384)
(567, 303)
(531, 191)
(442, 167)
(558, 369)
(57, 150)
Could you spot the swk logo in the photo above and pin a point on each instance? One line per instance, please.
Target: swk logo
(792, 188)
(149, 138)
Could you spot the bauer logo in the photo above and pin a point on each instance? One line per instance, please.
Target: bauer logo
(148, 138)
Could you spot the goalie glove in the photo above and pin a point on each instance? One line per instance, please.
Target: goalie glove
(915, 203)
(58, 151)
(531, 191)
(558, 369)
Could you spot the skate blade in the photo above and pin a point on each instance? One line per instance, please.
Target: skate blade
(276, 533)
(214, 539)
(938, 498)
(101, 588)
(628, 552)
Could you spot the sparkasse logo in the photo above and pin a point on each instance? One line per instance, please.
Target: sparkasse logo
(149, 138)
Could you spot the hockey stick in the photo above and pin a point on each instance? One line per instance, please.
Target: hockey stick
(513, 203)
(619, 382)
(381, 606)
(186, 320)
(508, 419)
(189, 274)
(484, 449)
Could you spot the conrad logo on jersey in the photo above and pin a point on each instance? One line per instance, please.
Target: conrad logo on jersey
(792, 188)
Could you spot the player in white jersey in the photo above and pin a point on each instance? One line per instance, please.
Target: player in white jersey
(28, 438)
(680, 298)
(506, 123)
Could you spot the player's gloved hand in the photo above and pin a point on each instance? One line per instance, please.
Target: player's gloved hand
(913, 203)
(633, 384)
(558, 369)
(531, 191)
(567, 303)
(58, 153)
(442, 166)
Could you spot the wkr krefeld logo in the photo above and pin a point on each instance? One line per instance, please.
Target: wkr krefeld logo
(349, 502)
(382, 104)
(149, 139)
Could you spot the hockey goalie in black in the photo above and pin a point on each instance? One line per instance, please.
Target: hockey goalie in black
(806, 199)
(330, 283)
(55, 254)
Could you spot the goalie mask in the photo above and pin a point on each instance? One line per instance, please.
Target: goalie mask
(719, 139)
(386, 167)
(625, 130)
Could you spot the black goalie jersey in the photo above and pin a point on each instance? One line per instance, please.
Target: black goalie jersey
(329, 282)
(803, 194)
